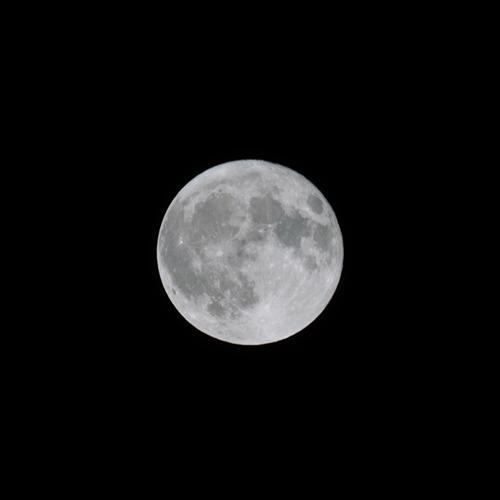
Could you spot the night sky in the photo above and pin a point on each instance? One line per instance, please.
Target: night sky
(140, 113)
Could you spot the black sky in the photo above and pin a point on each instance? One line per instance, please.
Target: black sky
(338, 123)
(141, 112)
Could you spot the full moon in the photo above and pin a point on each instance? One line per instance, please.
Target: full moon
(250, 252)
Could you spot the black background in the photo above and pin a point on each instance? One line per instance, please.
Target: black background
(131, 110)
(338, 118)
(344, 118)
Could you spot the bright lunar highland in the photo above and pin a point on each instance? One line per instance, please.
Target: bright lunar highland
(250, 252)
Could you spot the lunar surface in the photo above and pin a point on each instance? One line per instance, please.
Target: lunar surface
(250, 252)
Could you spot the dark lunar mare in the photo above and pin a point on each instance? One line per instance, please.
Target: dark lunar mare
(291, 229)
(323, 236)
(265, 209)
(210, 223)
(315, 204)
(211, 219)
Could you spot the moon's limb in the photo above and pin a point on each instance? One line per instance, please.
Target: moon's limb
(250, 252)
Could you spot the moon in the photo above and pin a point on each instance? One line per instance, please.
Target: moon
(250, 252)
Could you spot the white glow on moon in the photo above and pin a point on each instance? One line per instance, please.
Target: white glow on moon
(250, 252)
